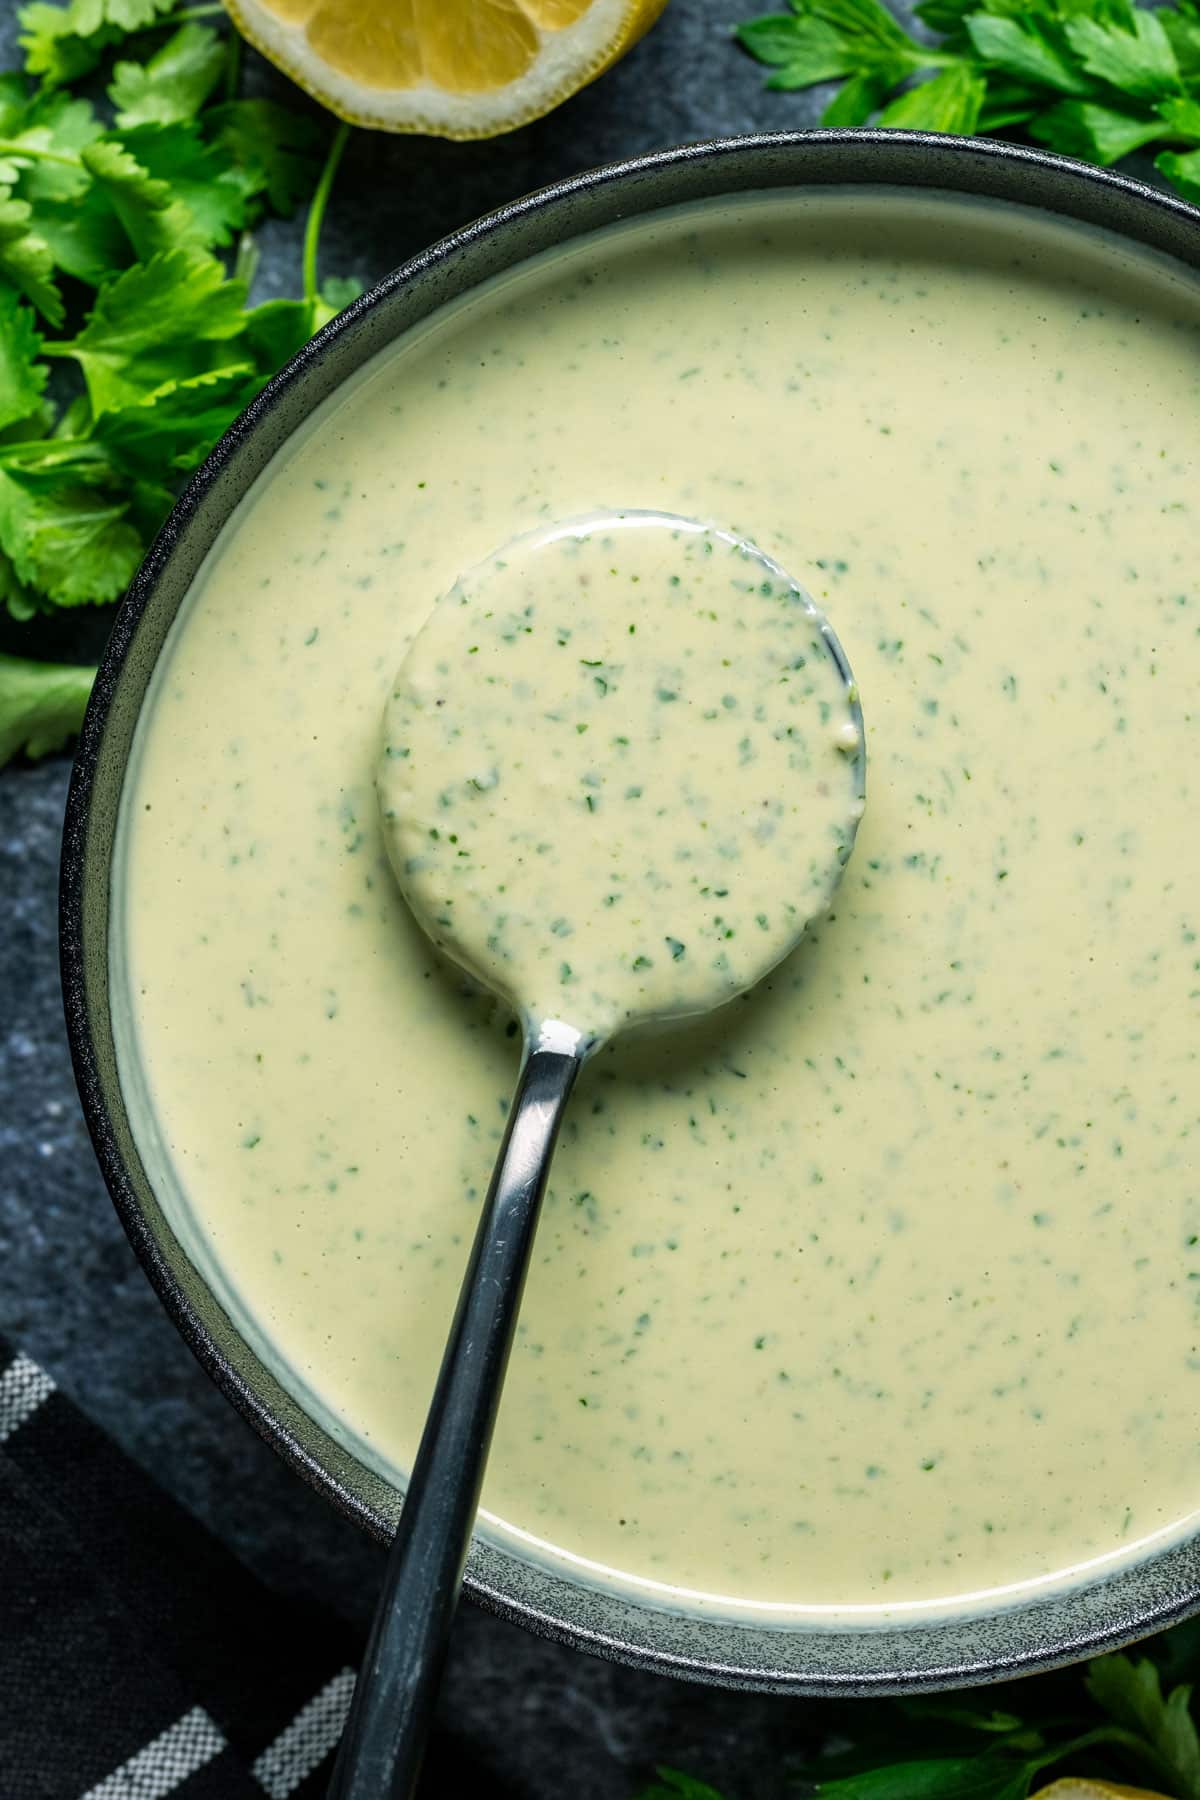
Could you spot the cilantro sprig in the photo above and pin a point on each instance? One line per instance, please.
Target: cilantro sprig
(1121, 1719)
(1096, 79)
(131, 177)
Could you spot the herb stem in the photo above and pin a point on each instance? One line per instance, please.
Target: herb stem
(316, 211)
(9, 147)
(245, 263)
(74, 452)
(181, 16)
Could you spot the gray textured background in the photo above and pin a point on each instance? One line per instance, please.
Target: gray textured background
(521, 1717)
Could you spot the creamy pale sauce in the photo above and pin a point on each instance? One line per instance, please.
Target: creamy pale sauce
(883, 1288)
(620, 771)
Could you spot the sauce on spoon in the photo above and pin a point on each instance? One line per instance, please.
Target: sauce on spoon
(622, 770)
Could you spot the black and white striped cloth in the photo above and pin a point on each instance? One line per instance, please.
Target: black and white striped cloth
(138, 1658)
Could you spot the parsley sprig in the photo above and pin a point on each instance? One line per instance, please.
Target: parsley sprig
(131, 176)
(1097, 79)
(1123, 1718)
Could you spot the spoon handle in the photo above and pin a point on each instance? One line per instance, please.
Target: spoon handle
(385, 1734)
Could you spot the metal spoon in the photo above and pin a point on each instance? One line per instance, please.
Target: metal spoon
(633, 614)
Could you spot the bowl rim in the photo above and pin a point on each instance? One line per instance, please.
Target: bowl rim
(961, 1649)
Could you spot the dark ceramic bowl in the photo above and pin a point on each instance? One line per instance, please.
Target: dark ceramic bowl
(1030, 1635)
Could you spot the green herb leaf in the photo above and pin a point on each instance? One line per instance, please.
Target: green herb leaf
(1182, 25)
(62, 43)
(161, 323)
(31, 427)
(334, 295)
(1181, 118)
(66, 534)
(771, 39)
(340, 291)
(168, 354)
(175, 430)
(15, 597)
(1008, 103)
(275, 331)
(855, 101)
(817, 53)
(274, 149)
(85, 237)
(54, 49)
(149, 504)
(989, 1776)
(1130, 1692)
(951, 101)
(14, 101)
(26, 258)
(945, 16)
(823, 39)
(41, 705)
(200, 177)
(42, 139)
(152, 218)
(22, 376)
(1182, 171)
(1139, 62)
(878, 41)
(1023, 47)
(172, 86)
(117, 15)
(1098, 79)
(1099, 134)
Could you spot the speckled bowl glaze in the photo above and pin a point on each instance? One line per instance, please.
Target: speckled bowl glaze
(872, 1658)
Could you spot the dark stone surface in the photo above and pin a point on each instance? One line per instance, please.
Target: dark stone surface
(520, 1717)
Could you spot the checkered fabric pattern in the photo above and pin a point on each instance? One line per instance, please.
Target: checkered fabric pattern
(138, 1658)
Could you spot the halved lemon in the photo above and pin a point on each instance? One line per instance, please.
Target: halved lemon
(451, 68)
